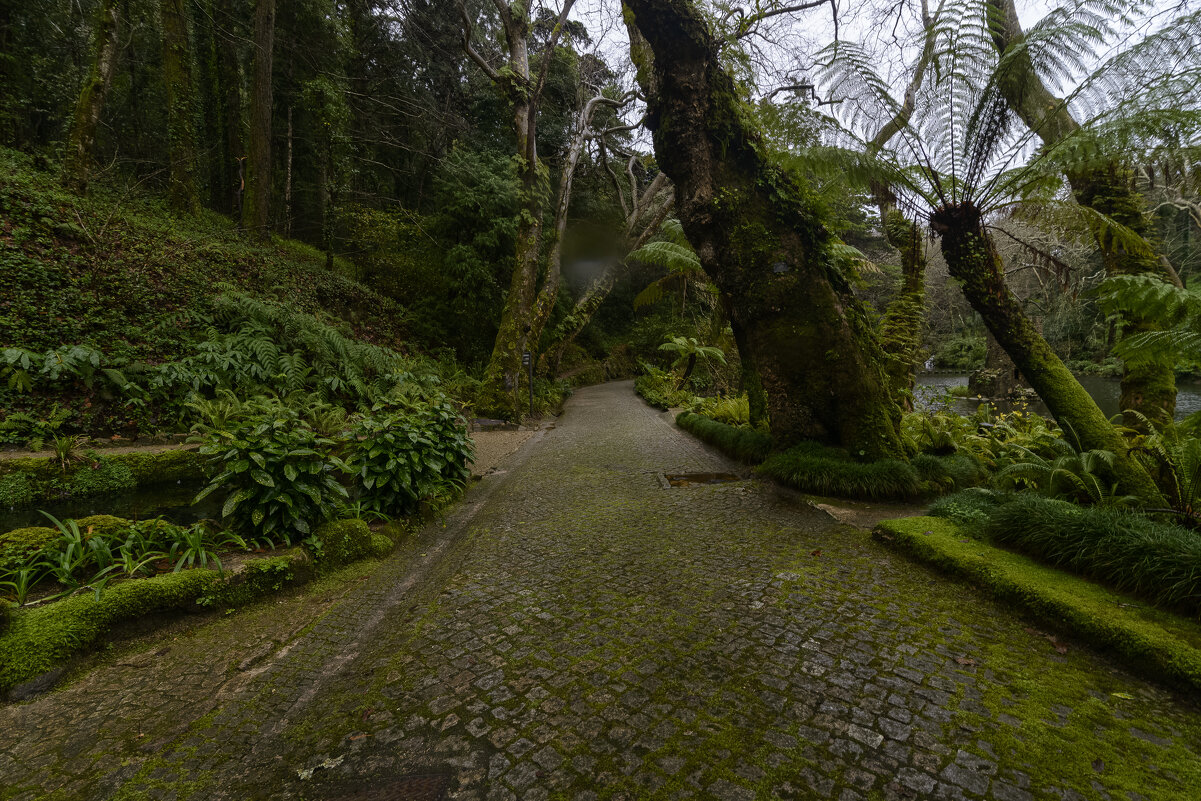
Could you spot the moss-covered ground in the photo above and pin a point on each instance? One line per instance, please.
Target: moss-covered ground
(578, 631)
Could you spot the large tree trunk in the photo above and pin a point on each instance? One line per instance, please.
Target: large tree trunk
(77, 160)
(1106, 188)
(972, 258)
(181, 135)
(761, 238)
(258, 163)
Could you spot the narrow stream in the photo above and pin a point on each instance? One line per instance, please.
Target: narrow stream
(170, 501)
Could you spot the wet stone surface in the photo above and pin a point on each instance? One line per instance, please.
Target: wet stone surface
(577, 631)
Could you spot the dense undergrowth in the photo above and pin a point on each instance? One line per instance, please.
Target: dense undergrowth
(117, 314)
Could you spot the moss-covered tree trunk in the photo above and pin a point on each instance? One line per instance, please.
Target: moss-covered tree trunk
(181, 109)
(499, 391)
(77, 159)
(972, 258)
(761, 238)
(1105, 187)
(904, 319)
(257, 197)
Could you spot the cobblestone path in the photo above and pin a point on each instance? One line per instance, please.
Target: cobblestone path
(579, 631)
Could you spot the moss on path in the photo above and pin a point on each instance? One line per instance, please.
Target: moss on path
(578, 631)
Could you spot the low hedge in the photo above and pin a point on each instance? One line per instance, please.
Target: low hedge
(36, 639)
(39, 638)
(744, 444)
(820, 470)
(1155, 640)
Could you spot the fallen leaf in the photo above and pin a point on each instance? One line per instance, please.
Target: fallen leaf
(367, 713)
(818, 552)
(1061, 648)
(966, 660)
(359, 736)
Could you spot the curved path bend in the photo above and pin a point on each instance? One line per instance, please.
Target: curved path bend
(576, 630)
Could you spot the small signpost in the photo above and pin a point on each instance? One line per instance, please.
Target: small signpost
(527, 362)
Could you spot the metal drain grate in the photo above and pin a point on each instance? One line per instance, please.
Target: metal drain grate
(694, 479)
(419, 787)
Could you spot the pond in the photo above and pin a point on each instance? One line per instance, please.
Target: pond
(170, 501)
(931, 387)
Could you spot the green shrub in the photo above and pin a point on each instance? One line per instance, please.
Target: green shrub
(402, 456)
(20, 544)
(16, 491)
(745, 444)
(1125, 550)
(278, 475)
(657, 387)
(340, 542)
(815, 468)
(733, 411)
(961, 352)
(953, 471)
(108, 526)
(101, 477)
(969, 508)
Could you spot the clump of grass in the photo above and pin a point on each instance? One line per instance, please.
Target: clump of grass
(745, 444)
(812, 467)
(1129, 552)
(1123, 549)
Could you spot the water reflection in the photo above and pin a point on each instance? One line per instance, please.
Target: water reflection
(172, 501)
(930, 392)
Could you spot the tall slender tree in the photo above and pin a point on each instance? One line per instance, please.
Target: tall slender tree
(77, 160)
(181, 110)
(255, 203)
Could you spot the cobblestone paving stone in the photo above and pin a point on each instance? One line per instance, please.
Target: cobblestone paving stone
(590, 634)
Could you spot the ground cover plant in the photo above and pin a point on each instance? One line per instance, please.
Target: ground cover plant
(814, 468)
(743, 443)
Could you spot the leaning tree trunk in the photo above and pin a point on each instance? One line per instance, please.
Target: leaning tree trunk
(1107, 188)
(77, 160)
(642, 204)
(973, 260)
(181, 135)
(762, 240)
(258, 163)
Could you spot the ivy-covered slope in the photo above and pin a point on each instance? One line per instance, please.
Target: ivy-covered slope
(116, 272)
